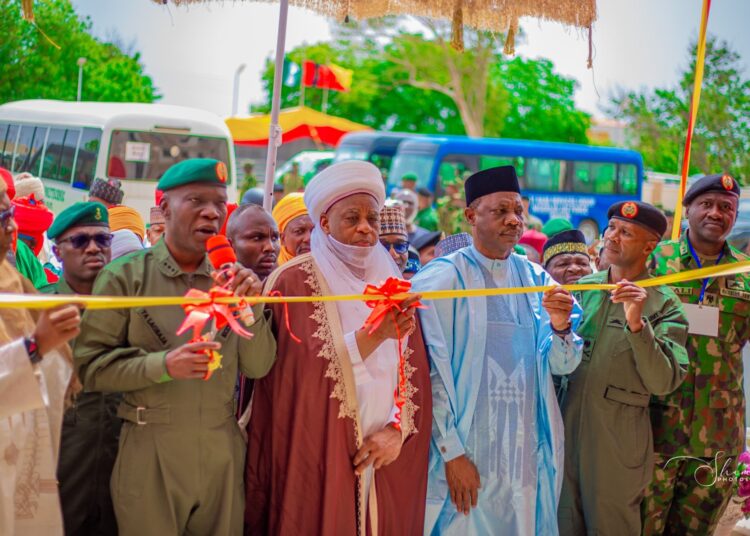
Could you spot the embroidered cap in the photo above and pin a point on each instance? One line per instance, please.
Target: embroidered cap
(571, 241)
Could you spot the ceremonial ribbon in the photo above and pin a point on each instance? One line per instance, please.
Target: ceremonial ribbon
(205, 308)
(700, 57)
(286, 317)
(48, 301)
(387, 299)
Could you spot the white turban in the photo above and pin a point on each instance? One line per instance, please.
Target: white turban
(27, 184)
(125, 241)
(341, 180)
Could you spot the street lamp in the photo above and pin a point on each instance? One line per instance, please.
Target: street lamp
(236, 94)
(81, 62)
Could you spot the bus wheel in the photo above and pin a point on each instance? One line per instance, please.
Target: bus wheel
(590, 230)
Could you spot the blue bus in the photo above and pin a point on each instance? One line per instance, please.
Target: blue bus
(561, 180)
(376, 147)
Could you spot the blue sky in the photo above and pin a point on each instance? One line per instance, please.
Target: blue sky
(192, 52)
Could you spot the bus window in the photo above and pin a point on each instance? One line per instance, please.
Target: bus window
(10, 146)
(59, 154)
(28, 149)
(627, 179)
(544, 175)
(136, 155)
(3, 136)
(594, 177)
(487, 162)
(52, 154)
(68, 156)
(85, 167)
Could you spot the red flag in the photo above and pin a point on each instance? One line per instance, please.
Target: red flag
(321, 76)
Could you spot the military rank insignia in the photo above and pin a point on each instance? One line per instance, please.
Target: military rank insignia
(221, 172)
(629, 210)
(727, 182)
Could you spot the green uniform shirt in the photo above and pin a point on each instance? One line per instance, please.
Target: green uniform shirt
(427, 218)
(293, 182)
(707, 413)
(124, 349)
(59, 287)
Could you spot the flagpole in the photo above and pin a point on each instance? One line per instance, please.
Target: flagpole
(274, 131)
(325, 100)
(302, 85)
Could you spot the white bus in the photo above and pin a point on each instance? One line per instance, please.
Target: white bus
(69, 144)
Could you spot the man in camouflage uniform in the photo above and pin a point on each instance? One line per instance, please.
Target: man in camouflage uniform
(90, 428)
(450, 209)
(699, 430)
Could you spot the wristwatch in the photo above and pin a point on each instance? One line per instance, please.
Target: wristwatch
(565, 331)
(32, 348)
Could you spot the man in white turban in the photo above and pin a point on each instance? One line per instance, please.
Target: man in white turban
(338, 439)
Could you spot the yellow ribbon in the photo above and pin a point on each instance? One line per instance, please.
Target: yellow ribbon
(44, 301)
(700, 56)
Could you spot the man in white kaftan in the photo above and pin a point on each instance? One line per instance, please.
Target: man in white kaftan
(496, 460)
(35, 378)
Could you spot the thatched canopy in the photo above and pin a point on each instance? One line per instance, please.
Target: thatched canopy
(497, 15)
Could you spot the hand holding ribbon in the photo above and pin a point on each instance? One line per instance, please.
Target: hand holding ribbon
(400, 306)
(204, 308)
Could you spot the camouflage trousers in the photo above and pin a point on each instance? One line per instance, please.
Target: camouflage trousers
(687, 496)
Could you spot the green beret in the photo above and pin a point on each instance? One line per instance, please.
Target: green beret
(643, 214)
(555, 226)
(722, 183)
(194, 170)
(410, 177)
(78, 215)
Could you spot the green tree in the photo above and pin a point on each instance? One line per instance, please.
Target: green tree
(33, 68)
(658, 119)
(415, 82)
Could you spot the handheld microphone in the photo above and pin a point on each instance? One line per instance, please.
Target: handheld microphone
(220, 252)
(222, 257)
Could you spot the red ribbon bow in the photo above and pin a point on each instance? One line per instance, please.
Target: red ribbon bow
(390, 289)
(199, 314)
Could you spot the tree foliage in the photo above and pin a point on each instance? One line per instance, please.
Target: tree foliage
(411, 81)
(721, 141)
(33, 68)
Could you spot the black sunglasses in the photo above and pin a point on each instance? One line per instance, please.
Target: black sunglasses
(82, 240)
(399, 247)
(6, 215)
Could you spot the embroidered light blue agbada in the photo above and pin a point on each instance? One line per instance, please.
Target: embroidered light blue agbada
(493, 398)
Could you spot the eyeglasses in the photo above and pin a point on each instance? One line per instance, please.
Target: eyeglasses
(400, 247)
(7, 215)
(82, 240)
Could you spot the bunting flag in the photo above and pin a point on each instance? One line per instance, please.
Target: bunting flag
(330, 76)
(292, 74)
(700, 57)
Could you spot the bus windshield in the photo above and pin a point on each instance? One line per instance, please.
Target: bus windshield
(351, 153)
(419, 161)
(138, 155)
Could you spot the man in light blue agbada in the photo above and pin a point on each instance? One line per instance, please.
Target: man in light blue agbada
(496, 460)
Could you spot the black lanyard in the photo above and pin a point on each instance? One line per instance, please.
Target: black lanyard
(698, 262)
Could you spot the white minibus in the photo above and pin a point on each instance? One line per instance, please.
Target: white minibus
(69, 144)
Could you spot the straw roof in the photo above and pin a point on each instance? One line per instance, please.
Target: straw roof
(497, 15)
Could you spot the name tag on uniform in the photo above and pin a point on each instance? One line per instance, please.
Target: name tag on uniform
(702, 320)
